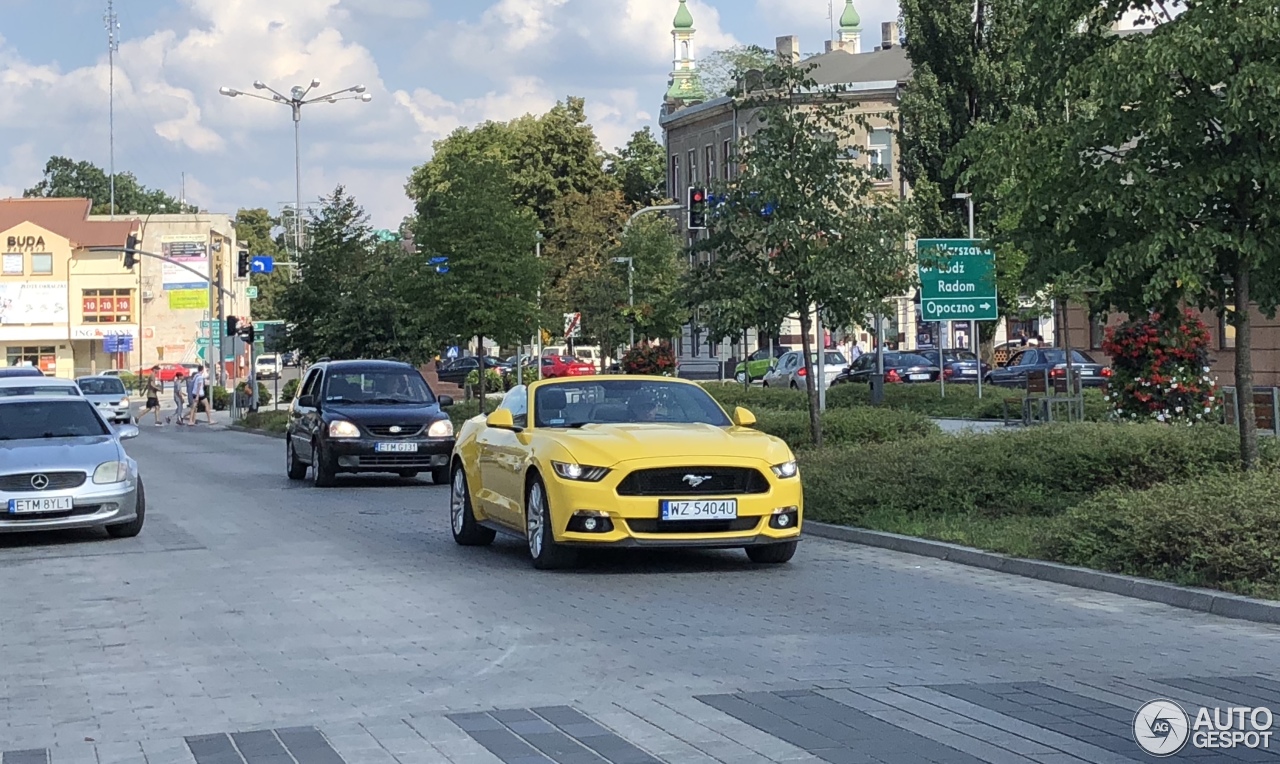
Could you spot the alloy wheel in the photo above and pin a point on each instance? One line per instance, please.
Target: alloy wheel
(536, 517)
(458, 501)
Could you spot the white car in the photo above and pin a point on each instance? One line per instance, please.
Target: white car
(268, 366)
(109, 395)
(790, 371)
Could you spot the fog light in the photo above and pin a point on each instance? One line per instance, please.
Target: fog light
(589, 524)
(590, 521)
(784, 518)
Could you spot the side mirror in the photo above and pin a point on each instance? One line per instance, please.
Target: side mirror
(127, 432)
(743, 418)
(445, 401)
(306, 401)
(501, 420)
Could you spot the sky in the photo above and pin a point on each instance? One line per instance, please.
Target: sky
(431, 66)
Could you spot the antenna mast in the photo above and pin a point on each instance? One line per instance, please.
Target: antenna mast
(113, 44)
(831, 16)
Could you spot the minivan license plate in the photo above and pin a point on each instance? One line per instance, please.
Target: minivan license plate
(396, 448)
(31, 506)
(721, 509)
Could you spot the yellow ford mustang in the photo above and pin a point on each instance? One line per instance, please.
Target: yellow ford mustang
(623, 461)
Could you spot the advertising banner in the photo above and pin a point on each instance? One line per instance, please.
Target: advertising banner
(192, 250)
(33, 302)
(189, 299)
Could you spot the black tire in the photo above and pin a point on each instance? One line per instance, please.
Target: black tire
(794, 386)
(323, 473)
(133, 527)
(408, 473)
(764, 384)
(543, 549)
(462, 520)
(295, 468)
(440, 475)
(773, 554)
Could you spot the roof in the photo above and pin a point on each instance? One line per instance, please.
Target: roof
(66, 217)
(366, 363)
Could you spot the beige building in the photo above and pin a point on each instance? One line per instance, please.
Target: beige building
(73, 311)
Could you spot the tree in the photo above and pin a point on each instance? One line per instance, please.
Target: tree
(965, 74)
(253, 229)
(66, 178)
(1161, 183)
(579, 274)
(802, 221)
(654, 246)
(719, 72)
(640, 169)
(470, 217)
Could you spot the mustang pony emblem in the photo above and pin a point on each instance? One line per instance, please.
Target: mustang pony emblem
(696, 480)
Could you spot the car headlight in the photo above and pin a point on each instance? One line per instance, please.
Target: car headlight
(440, 429)
(579, 472)
(111, 472)
(123, 402)
(341, 428)
(786, 469)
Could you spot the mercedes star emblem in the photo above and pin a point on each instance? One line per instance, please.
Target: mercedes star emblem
(39, 482)
(696, 480)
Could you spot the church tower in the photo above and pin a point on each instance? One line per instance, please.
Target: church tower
(684, 87)
(849, 38)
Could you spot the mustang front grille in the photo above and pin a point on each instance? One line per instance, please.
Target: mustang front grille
(695, 526)
(672, 482)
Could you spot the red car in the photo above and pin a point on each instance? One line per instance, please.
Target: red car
(565, 366)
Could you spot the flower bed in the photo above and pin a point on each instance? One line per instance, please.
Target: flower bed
(1160, 371)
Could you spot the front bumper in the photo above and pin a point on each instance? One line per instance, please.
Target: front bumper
(93, 506)
(362, 454)
(634, 520)
(115, 413)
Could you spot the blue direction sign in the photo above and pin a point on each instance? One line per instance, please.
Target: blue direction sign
(957, 280)
(122, 343)
(262, 264)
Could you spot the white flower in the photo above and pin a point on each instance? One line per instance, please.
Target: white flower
(1207, 370)
(1178, 409)
(1208, 410)
(1160, 417)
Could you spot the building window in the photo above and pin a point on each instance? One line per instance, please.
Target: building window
(693, 167)
(107, 306)
(710, 155)
(674, 191)
(13, 264)
(44, 358)
(726, 153)
(1097, 332)
(1226, 331)
(880, 150)
(41, 265)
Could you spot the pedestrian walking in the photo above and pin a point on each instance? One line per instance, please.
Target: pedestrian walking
(179, 398)
(199, 395)
(152, 391)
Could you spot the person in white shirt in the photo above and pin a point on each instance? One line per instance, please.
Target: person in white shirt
(199, 397)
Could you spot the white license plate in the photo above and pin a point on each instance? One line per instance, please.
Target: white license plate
(969, 372)
(51, 504)
(1087, 372)
(720, 509)
(396, 448)
(918, 377)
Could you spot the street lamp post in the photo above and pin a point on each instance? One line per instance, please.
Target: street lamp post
(973, 325)
(296, 99)
(631, 294)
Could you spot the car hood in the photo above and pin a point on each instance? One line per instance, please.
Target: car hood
(57, 454)
(605, 445)
(386, 414)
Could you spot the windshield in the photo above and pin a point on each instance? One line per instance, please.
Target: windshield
(377, 386)
(574, 404)
(101, 386)
(1060, 356)
(35, 420)
(38, 389)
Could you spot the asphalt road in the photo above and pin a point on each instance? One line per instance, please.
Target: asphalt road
(259, 620)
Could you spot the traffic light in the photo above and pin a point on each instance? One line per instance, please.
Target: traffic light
(232, 326)
(244, 265)
(247, 333)
(130, 251)
(697, 209)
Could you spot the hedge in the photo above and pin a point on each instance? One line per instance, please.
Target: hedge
(1220, 530)
(1042, 471)
(846, 426)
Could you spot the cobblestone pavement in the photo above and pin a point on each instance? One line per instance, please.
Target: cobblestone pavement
(258, 621)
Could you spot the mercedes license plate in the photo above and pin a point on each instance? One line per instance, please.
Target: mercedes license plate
(396, 448)
(918, 377)
(718, 509)
(969, 372)
(31, 506)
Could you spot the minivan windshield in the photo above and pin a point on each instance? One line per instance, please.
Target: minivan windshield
(101, 386)
(377, 386)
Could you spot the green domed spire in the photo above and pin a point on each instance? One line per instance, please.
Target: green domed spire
(850, 18)
(684, 19)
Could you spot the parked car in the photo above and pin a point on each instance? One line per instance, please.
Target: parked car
(565, 366)
(42, 385)
(1051, 360)
(109, 395)
(62, 466)
(898, 368)
(367, 416)
(959, 366)
(456, 371)
(790, 370)
(758, 363)
(611, 462)
(268, 366)
(20, 371)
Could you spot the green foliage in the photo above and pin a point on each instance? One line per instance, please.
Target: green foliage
(1220, 530)
(653, 244)
(655, 360)
(461, 411)
(1160, 370)
(845, 426)
(253, 229)
(640, 169)
(67, 178)
(1042, 471)
(289, 391)
(267, 421)
(131, 381)
(264, 393)
(580, 276)
(718, 72)
(221, 398)
(493, 381)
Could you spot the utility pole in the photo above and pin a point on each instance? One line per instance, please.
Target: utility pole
(113, 44)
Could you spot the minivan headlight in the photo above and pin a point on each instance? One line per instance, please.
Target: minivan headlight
(111, 472)
(341, 428)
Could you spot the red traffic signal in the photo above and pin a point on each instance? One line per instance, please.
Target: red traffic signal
(697, 208)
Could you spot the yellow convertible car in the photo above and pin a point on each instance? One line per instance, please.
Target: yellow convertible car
(623, 461)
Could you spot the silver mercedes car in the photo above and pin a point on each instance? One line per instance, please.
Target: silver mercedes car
(63, 466)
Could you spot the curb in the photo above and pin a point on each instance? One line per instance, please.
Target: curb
(1204, 600)
(252, 431)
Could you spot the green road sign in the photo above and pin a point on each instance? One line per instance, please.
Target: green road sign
(205, 326)
(957, 280)
(251, 292)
